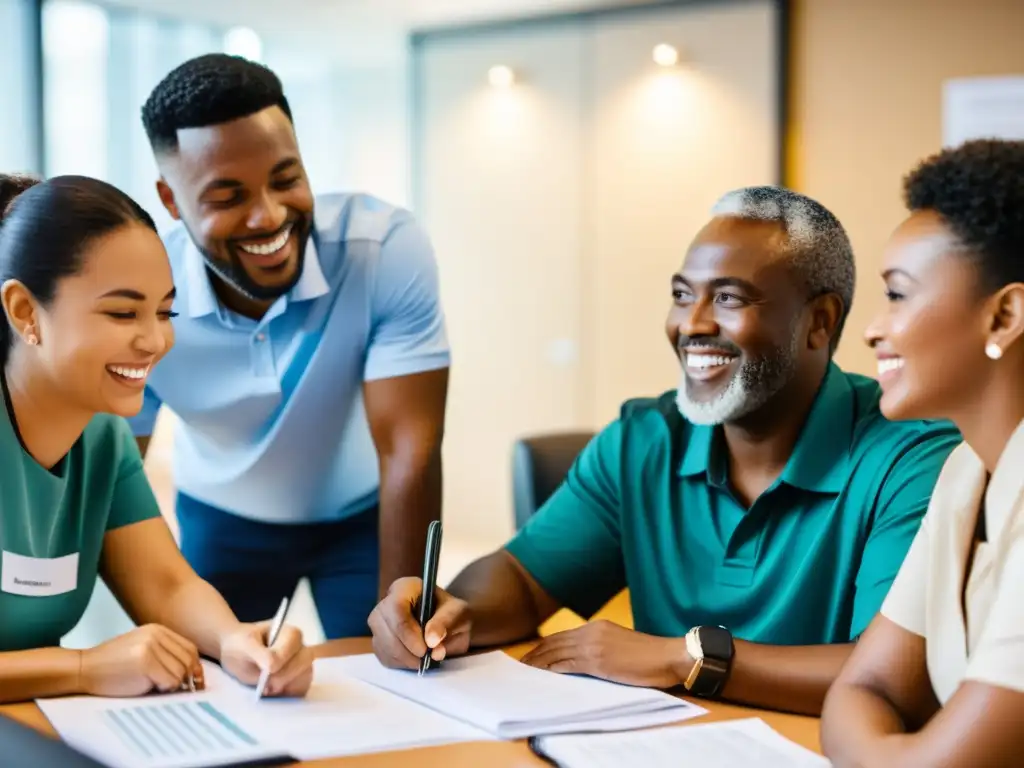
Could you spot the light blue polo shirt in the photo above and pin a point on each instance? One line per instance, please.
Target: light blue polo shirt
(273, 426)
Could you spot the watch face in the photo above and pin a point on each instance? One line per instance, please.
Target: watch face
(716, 642)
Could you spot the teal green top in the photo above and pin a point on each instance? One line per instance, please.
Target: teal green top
(50, 514)
(647, 506)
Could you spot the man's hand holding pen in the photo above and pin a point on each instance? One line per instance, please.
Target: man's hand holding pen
(398, 640)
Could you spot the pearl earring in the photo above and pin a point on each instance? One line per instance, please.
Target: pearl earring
(993, 350)
(31, 339)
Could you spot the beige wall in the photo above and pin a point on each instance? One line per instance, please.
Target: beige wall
(866, 105)
(560, 209)
(866, 98)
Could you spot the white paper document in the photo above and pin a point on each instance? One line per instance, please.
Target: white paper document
(982, 108)
(344, 716)
(173, 731)
(511, 700)
(710, 745)
(225, 724)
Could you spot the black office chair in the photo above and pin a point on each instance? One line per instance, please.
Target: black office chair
(24, 747)
(539, 465)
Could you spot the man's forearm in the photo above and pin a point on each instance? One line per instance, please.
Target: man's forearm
(500, 601)
(410, 499)
(782, 677)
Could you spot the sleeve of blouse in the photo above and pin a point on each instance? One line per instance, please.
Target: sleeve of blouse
(998, 658)
(905, 602)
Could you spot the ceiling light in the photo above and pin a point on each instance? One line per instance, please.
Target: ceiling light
(665, 55)
(501, 76)
(244, 42)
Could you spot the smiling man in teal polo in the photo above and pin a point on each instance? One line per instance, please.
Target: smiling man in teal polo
(758, 514)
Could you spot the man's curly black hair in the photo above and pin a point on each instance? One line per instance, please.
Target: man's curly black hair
(208, 90)
(978, 190)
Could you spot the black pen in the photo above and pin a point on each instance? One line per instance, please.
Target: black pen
(430, 560)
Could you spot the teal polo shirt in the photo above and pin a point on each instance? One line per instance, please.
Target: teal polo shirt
(53, 524)
(647, 506)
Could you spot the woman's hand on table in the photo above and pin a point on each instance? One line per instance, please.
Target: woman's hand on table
(149, 658)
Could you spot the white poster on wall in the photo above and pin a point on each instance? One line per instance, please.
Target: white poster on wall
(982, 107)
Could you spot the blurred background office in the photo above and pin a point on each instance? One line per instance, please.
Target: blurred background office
(561, 153)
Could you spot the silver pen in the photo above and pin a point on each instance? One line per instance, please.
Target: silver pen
(275, 630)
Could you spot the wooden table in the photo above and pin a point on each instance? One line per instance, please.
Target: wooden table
(499, 754)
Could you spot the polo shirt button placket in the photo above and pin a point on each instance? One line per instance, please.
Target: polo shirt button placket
(263, 363)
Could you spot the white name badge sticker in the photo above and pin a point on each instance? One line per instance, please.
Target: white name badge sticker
(38, 576)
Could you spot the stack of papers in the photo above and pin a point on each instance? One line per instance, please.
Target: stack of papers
(511, 700)
(713, 745)
(226, 725)
(356, 706)
(341, 716)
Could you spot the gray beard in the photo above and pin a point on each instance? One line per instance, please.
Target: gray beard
(751, 387)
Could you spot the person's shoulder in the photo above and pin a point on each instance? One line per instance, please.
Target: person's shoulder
(876, 436)
(108, 441)
(343, 217)
(355, 229)
(646, 441)
(650, 408)
(651, 419)
(642, 437)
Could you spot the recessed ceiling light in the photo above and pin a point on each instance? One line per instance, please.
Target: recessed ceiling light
(665, 55)
(501, 76)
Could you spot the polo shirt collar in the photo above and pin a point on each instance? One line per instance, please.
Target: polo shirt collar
(199, 293)
(312, 283)
(696, 456)
(202, 300)
(820, 460)
(820, 457)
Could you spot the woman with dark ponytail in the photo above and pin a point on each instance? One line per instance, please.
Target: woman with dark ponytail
(87, 292)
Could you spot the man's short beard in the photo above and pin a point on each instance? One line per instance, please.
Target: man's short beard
(233, 273)
(751, 387)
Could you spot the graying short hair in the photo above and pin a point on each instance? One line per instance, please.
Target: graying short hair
(819, 248)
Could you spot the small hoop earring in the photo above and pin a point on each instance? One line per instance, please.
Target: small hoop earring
(993, 350)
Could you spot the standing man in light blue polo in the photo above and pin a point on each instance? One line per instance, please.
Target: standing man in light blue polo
(310, 371)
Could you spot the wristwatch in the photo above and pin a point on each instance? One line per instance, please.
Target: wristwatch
(711, 649)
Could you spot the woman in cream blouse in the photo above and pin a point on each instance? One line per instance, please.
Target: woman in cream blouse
(938, 677)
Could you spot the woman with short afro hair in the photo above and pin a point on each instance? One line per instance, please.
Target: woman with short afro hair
(937, 680)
